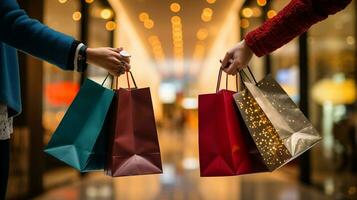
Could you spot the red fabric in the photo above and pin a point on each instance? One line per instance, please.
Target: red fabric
(296, 18)
(225, 145)
(134, 147)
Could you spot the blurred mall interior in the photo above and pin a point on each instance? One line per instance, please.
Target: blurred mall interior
(176, 46)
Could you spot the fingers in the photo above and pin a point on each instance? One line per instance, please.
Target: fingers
(226, 59)
(117, 50)
(117, 63)
(118, 56)
(116, 70)
(122, 58)
(232, 68)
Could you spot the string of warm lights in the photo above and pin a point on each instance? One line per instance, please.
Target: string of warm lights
(147, 22)
(201, 35)
(250, 12)
(157, 48)
(177, 40)
(207, 14)
(154, 40)
(199, 51)
(104, 13)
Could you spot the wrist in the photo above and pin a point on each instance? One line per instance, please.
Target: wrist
(246, 47)
(89, 52)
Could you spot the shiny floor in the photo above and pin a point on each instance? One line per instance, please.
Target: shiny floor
(181, 181)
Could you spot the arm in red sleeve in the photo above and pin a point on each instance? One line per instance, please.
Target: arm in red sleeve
(293, 20)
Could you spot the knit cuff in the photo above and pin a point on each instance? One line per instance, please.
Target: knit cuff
(254, 45)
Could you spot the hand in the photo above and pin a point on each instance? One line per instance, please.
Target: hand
(237, 58)
(109, 59)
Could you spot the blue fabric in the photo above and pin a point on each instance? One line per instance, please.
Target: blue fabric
(19, 31)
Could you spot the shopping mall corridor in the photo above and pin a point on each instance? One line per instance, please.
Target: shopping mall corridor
(175, 48)
(181, 180)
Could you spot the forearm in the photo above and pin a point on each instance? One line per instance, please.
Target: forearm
(296, 18)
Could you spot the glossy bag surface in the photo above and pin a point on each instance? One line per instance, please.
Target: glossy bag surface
(278, 127)
(225, 145)
(134, 147)
(80, 139)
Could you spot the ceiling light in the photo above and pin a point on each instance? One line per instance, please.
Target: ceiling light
(62, 1)
(257, 12)
(211, 1)
(175, 20)
(89, 1)
(207, 11)
(144, 16)
(350, 40)
(244, 23)
(106, 13)
(206, 18)
(149, 24)
(177, 26)
(271, 14)
(247, 12)
(76, 16)
(110, 26)
(175, 7)
(202, 34)
(261, 2)
(206, 15)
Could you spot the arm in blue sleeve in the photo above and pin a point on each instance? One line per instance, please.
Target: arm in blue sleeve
(32, 37)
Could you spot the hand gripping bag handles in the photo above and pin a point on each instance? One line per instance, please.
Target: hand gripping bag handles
(80, 139)
(278, 127)
(133, 148)
(225, 146)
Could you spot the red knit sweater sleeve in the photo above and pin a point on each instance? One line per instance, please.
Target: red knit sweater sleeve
(296, 18)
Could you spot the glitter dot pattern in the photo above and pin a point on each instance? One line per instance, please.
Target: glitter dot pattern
(277, 146)
(267, 139)
(301, 134)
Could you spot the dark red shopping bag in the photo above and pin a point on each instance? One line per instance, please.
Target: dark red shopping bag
(134, 147)
(225, 145)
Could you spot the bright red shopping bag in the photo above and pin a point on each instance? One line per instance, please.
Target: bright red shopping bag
(225, 145)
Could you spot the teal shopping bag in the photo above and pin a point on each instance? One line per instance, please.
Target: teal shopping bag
(80, 139)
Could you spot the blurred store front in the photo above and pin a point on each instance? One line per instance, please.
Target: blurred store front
(175, 48)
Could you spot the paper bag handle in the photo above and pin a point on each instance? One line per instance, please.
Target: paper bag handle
(127, 79)
(242, 72)
(219, 80)
(220, 76)
(105, 79)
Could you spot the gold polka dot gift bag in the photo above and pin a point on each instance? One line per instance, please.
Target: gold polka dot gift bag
(279, 129)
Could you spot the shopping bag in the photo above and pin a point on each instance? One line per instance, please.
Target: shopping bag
(225, 145)
(133, 147)
(278, 127)
(80, 139)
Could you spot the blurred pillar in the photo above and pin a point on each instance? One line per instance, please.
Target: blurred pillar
(267, 58)
(84, 37)
(354, 164)
(305, 166)
(84, 29)
(32, 83)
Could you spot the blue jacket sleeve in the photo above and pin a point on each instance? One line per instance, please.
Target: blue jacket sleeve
(32, 37)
